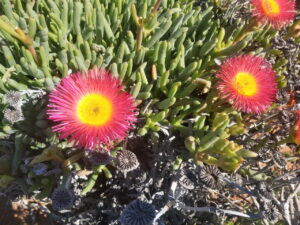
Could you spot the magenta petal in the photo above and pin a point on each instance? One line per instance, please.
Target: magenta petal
(64, 99)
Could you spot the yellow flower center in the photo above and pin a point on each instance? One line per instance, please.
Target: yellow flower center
(271, 7)
(245, 84)
(94, 109)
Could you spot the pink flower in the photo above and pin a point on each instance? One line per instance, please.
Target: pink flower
(278, 13)
(91, 110)
(248, 82)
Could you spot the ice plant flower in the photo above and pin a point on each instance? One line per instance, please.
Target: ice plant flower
(91, 110)
(277, 13)
(248, 82)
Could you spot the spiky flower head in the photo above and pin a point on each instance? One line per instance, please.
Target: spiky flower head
(126, 161)
(212, 177)
(185, 182)
(279, 160)
(138, 213)
(62, 199)
(248, 82)
(264, 191)
(270, 211)
(277, 13)
(13, 98)
(13, 115)
(91, 109)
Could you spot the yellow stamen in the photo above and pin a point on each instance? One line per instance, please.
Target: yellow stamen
(94, 109)
(245, 84)
(271, 7)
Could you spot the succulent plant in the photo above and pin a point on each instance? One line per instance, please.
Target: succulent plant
(166, 53)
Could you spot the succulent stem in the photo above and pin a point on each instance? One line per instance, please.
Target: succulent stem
(156, 6)
(139, 35)
(92, 179)
(19, 34)
(252, 26)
